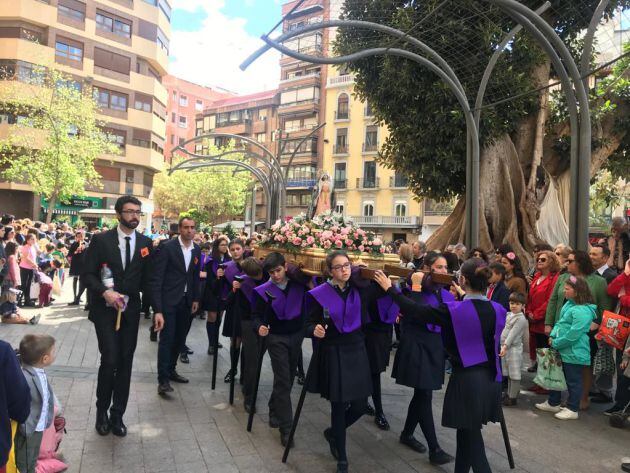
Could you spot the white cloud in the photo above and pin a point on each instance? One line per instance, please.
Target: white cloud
(212, 54)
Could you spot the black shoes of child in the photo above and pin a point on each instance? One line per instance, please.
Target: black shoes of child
(369, 410)
(412, 443)
(284, 439)
(119, 429)
(381, 421)
(102, 426)
(183, 357)
(342, 467)
(228, 377)
(440, 457)
(509, 401)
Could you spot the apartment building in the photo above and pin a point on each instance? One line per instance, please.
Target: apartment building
(302, 102)
(253, 116)
(119, 48)
(185, 101)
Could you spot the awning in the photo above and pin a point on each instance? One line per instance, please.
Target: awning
(98, 213)
(61, 211)
(236, 224)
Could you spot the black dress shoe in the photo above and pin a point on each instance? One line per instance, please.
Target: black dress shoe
(183, 357)
(164, 388)
(228, 376)
(74, 303)
(274, 423)
(118, 428)
(188, 350)
(381, 421)
(284, 439)
(342, 467)
(369, 410)
(331, 443)
(177, 378)
(412, 443)
(440, 457)
(102, 426)
(301, 379)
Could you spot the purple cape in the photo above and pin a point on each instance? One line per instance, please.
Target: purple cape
(346, 315)
(215, 263)
(388, 310)
(286, 307)
(427, 297)
(468, 334)
(231, 269)
(247, 288)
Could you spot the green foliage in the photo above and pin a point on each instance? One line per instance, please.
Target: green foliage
(427, 140)
(200, 217)
(211, 193)
(57, 137)
(606, 194)
(230, 231)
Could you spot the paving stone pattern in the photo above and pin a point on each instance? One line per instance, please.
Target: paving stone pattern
(196, 430)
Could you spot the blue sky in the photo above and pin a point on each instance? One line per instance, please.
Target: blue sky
(210, 38)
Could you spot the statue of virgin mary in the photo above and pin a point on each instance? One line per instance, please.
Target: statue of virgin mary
(323, 196)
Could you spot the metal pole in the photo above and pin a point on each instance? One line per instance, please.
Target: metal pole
(252, 227)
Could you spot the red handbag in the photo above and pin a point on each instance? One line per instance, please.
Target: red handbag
(614, 330)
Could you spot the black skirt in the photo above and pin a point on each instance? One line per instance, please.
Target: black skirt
(378, 345)
(472, 399)
(341, 371)
(419, 360)
(230, 329)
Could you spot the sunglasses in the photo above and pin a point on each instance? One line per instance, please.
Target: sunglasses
(542, 260)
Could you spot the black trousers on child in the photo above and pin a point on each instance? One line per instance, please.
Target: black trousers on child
(471, 452)
(342, 416)
(421, 412)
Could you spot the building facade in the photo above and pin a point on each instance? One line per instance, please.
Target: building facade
(303, 103)
(120, 49)
(185, 101)
(253, 116)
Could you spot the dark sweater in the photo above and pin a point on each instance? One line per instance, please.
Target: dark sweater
(263, 314)
(15, 398)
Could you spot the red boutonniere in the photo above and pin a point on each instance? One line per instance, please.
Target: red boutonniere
(196, 261)
(144, 252)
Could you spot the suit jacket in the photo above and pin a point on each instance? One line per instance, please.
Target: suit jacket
(170, 280)
(501, 295)
(609, 275)
(130, 281)
(37, 397)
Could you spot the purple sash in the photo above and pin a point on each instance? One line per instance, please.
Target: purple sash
(287, 307)
(215, 263)
(388, 310)
(468, 334)
(346, 315)
(231, 269)
(247, 287)
(205, 259)
(431, 299)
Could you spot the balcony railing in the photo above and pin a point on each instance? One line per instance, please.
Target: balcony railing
(299, 78)
(412, 221)
(340, 80)
(340, 183)
(340, 149)
(370, 147)
(300, 102)
(342, 114)
(371, 183)
(398, 181)
(301, 182)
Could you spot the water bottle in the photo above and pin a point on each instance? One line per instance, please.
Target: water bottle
(107, 277)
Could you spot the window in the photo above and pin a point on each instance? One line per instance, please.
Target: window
(183, 122)
(174, 95)
(368, 209)
(181, 140)
(166, 8)
(111, 24)
(369, 174)
(71, 52)
(199, 105)
(143, 102)
(183, 101)
(400, 180)
(118, 137)
(71, 13)
(104, 22)
(340, 176)
(400, 209)
(368, 110)
(371, 138)
(162, 41)
(122, 28)
(172, 139)
(112, 61)
(341, 141)
(110, 99)
(340, 208)
(342, 107)
(305, 94)
(173, 117)
(141, 143)
(260, 137)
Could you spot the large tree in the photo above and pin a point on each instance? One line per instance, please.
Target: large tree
(525, 141)
(213, 193)
(56, 135)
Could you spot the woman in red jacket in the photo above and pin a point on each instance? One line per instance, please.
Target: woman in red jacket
(547, 270)
(619, 289)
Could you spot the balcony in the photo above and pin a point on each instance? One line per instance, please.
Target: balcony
(398, 182)
(370, 147)
(342, 115)
(340, 149)
(235, 127)
(371, 183)
(301, 182)
(385, 221)
(340, 183)
(340, 81)
(302, 107)
(435, 213)
(298, 81)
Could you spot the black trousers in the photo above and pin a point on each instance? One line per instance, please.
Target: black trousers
(117, 350)
(421, 412)
(342, 416)
(76, 281)
(190, 319)
(471, 452)
(26, 276)
(283, 352)
(249, 356)
(172, 338)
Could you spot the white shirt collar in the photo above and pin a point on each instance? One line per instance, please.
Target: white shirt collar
(122, 234)
(181, 243)
(602, 269)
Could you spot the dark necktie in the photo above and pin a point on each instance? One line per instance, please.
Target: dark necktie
(127, 251)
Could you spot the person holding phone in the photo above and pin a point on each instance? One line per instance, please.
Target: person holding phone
(214, 269)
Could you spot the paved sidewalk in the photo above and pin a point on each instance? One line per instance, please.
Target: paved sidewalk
(198, 431)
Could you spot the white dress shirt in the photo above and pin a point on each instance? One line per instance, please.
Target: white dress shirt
(601, 269)
(187, 250)
(43, 419)
(122, 244)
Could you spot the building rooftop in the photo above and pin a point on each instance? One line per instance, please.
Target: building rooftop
(243, 99)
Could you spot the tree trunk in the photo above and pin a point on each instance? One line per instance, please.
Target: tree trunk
(51, 205)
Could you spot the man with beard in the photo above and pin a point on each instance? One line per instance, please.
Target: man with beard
(126, 253)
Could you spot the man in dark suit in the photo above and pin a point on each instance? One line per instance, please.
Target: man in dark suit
(127, 254)
(497, 290)
(175, 294)
(600, 255)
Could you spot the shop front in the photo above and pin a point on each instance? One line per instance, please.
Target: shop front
(69, 211)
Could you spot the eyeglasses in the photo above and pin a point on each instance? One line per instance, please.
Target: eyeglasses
(542, 260)
(137, 213)
(340, 267)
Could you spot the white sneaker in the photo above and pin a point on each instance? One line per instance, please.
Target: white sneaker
(566, 414)
(545, 406)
